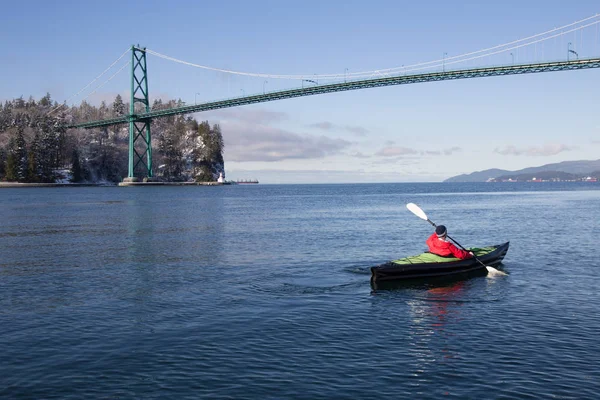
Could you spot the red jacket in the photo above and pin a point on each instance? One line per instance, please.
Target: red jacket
(445, 248)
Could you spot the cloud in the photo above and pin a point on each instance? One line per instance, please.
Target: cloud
(249, 137)
(399, 151)
(541, 151)
(358, 154)
(394, 151)
(248, 116)
(452, 150)
(245, 143)
(401, 160)
(357, 130)
(328, 126)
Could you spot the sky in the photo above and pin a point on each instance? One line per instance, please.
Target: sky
(424, 132)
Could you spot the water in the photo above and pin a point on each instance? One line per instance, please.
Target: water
(263, 292)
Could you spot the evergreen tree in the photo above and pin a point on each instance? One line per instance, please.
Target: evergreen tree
(46, 151)
(60, 134)
(32, 165)
(32, 176)
(30, 103)
(208, 156)
(21, 156)
(103, 110)
(76, 172)
(184, 147)
(217, 144)
(7, 114)
(118, 106)
(11, 168)
(2, 161)
(46, 101)
(157, 104)
(20, 103)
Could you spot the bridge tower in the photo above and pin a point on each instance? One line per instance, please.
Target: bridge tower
(140, 138)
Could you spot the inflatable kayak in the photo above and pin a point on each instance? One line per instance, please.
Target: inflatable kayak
(431, 265)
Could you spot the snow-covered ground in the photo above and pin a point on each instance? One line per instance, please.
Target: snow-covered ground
(64, 175)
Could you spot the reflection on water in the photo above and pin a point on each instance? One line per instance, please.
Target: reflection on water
(439, 300)
(433, 313)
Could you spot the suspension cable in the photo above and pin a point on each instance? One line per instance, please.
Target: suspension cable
(108, 80)
(504, 50)
(396, 69)
(89, 84)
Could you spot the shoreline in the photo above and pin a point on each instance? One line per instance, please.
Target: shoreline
(31, 185)
(22, 185)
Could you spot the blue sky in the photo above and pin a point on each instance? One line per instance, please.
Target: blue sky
(421, 132)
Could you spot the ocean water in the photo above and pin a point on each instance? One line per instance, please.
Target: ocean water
(263, 292)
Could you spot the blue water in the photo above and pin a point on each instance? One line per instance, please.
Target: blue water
(263, 292)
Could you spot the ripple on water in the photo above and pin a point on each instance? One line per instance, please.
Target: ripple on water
(265, 293)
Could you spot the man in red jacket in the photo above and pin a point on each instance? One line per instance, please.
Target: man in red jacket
(439, 244)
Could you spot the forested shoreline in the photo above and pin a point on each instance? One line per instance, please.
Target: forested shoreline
(36, 146)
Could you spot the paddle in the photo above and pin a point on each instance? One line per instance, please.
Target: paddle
(415, 209)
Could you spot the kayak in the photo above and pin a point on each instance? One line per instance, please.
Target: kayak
(431, 265)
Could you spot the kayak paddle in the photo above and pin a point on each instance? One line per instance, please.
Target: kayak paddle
(415, 209)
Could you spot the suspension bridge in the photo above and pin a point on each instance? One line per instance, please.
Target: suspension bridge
(141, 115)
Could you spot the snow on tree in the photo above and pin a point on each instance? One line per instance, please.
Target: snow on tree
(183, 148)
(76, 171)
(119, 107)
(20, 153)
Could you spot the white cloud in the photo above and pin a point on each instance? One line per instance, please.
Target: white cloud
(541, 151)
(401, 160)
(393, 151)
(248, 116)
(452, 150)
(357, 130)
(263, 143)
(358, 154)
(328, 126)
(249, 137)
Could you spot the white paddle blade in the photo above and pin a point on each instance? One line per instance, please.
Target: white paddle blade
(415, 209)
(494, 272)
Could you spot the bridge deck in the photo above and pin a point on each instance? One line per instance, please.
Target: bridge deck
(353, 85)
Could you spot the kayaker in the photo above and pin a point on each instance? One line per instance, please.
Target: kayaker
(439, 244)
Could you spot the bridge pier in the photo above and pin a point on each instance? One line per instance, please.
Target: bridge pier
(130, 179)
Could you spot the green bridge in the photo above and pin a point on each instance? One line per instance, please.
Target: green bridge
(139, 131)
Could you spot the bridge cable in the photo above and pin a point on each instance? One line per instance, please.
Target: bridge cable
(394, 69)
(89, 84)
(504, 50)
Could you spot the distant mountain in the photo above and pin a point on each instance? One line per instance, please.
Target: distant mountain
(581, 167)
(479, 176)
(540, 176)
